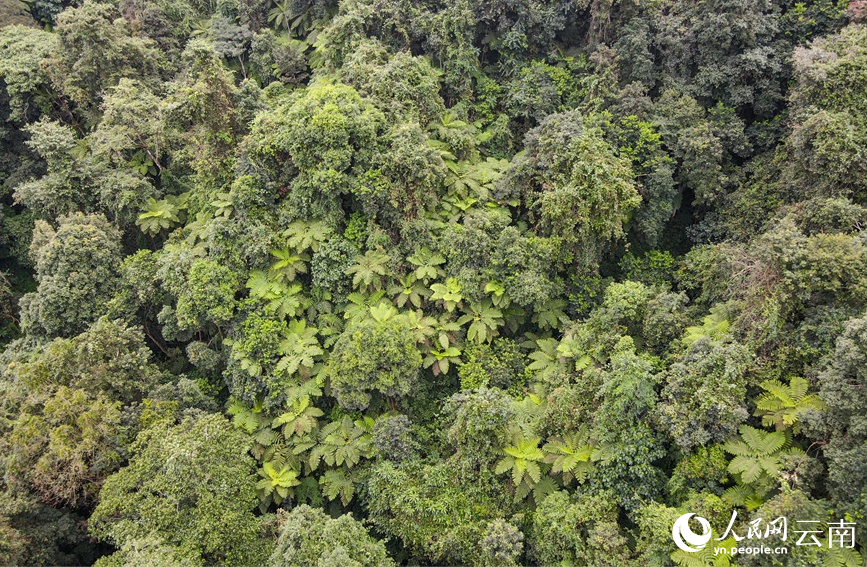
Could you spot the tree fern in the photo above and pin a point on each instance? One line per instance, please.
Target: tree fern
(783, 405)
(523, 462)
(158, 216)
(288, 265)
(304, 235)
(299, 349)
(276, 483)
(757, 453)
(546, 359)
(369, 270)
(344, 442)
(571, 456)
(300, 419)
(714, 326)
(337, 482)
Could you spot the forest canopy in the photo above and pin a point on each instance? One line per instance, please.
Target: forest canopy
(372, 283)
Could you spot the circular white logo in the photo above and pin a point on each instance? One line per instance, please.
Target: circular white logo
(685, 538)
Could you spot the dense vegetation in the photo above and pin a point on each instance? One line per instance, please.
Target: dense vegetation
(456, 282)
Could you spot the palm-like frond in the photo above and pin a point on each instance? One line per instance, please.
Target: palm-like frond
(571, 456)
(757, 454)
(368, 270)
(783, 405)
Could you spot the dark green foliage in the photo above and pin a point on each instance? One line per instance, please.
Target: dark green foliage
(73, 406)
(393, 438)
(109, 357)
(329, 264)
(511, 282)
(405, 88)
(479, 422)
(826, 143)
(723, 51)
(86, 445)
(580, 530)
(33, 533)
(573, 184)
(419, 504)
(840, 388)
(704, 392)
(499, 364)
(322, 140)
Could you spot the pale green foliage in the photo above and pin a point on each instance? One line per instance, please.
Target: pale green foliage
(270, 355)
(300, 420)
(303, 235)
(343, 442)
(368, 270)
(21, 51)
(300, 349)
(95, 50)
(280, 298)
(310, 537)
(61, 191)
(65, 449)
(147, 552)
(77, 267)
(715, 326)
(484, 320)
(288, 264)
(503, 544)
(448, 293)
(373, 356)
(759, 462)
(133, 121)
(190, 485)
(427, 264)
(546, 358)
